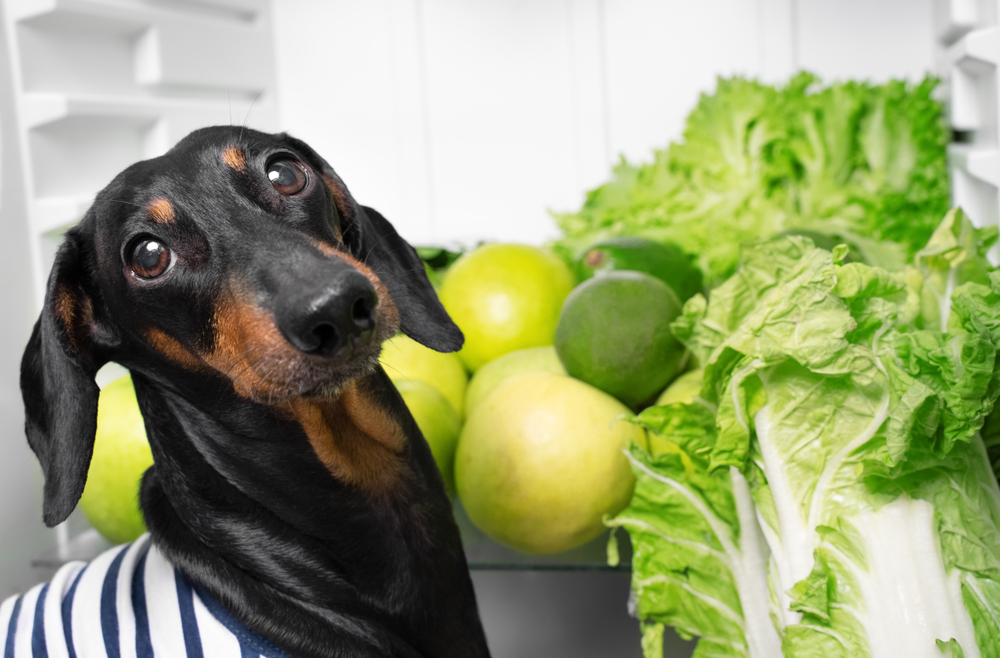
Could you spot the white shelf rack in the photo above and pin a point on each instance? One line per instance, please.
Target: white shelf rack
(969, 52)
(100, 84)
(97, 85)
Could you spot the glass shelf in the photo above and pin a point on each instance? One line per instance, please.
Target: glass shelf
(481, 552)
(485, 554)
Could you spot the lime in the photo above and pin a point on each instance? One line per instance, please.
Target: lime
(532, 359)
(438, 422)
(505, 297)
(539, 462)
(664, 260)
(404, 358)
(614, 333)
(110, 500)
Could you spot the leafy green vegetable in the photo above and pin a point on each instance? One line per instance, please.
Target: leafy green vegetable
(699, 567)
(863, 163)
(851, 421)
(954, 255)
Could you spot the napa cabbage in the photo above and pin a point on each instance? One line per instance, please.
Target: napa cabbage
(829, 493)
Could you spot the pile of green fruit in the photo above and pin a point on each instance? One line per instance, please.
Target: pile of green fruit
(534, 451)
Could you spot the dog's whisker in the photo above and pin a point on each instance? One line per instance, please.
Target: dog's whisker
(392, 278)
(372, 248)
(386, 366)
(246, 119)
(123, 202)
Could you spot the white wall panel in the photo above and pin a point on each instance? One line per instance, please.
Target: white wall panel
(335, 82)
(662, 53)
(499, 83)
(408, 102)
(466, 120)
(778, 42)
(876, 39)
(589, 97)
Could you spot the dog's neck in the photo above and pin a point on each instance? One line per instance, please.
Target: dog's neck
(322, 543)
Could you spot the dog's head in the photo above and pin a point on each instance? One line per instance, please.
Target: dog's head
(237, 254)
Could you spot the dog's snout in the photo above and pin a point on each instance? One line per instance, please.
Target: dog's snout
(337, 320)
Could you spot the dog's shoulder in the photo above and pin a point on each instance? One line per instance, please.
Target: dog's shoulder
(129, 601)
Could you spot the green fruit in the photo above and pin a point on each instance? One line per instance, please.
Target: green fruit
(540, 463)
(438, 422)
(487, 378)
(614, 333)
(683, 389)
(404, 358)
(505, 297)
(666, 261)
(110, 500)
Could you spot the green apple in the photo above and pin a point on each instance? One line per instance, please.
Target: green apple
(487, 378)
(121, 455)
(683, 389)
(405, 359)
(438, 422)
(539, 462)
(504, 297)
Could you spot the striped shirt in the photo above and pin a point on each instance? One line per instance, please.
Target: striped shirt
(128, 603)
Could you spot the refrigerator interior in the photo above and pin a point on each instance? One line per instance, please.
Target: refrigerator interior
(459, 121)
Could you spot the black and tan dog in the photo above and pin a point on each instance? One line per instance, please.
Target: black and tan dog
(249, 295)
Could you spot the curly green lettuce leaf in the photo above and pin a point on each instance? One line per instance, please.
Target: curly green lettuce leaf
(905, 147)
(862, 163)
(955, 254)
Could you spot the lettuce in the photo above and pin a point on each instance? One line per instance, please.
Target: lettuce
(863, 163)
(835, 453)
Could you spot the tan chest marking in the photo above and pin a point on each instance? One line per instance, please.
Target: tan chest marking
(356, 440)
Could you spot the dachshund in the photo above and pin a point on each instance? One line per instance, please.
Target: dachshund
(248, 294)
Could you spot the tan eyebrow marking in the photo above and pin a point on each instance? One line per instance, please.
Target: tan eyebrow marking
(235, 158)
(160, 210)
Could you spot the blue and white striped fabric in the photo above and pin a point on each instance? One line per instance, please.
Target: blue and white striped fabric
(128, 603)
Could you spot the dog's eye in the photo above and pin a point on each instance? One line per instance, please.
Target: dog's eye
(287, 177)
(150, 258)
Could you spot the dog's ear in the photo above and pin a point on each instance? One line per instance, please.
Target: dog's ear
(373, 241)
(421, 315)
(57, 383)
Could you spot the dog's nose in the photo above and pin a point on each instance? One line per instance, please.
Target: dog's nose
(338, 318)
